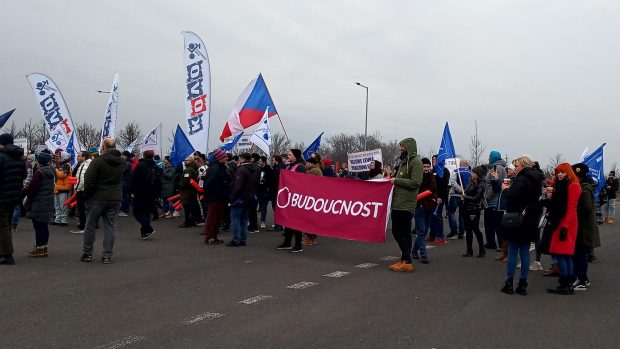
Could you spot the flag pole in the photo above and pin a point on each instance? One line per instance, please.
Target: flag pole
(288, 140)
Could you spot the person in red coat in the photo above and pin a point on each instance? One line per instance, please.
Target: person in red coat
(563, 216)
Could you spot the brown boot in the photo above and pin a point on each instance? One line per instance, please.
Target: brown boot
(504, 256)
(396, 266)
(611, 221)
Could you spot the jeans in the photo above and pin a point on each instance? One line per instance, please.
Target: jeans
(60, 208)
(126, 199)
(276, 227)
(215, 213)
(472, 227)
(263, 201)
(580, 262)
(239, 223)
(422, 221)
(455, 203)
(16, 214)
(609, 209)
(81, 210)
(437, 222)
(41, 232)
(565, 264)
(401, 229)
(523, 249)
(492, 226)
(6, 233)
(142, 209)
(108, 212)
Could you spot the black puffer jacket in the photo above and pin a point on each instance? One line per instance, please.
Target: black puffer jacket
(104, 177)
(524, 193)
(244, 184)
(40, 194)
(12, 174)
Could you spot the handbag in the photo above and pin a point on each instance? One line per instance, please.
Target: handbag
(512, 219)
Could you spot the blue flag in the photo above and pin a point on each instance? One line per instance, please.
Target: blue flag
(228, 146)
(71, 150)
(595, 163)
(181, 147)
(5, 117)
(314, 147)
(446, 150)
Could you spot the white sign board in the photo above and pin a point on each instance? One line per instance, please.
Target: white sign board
(360, 162)
(244, 142)
(452, 164)
(22, 143)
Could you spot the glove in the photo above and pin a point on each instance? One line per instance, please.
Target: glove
(563, 234)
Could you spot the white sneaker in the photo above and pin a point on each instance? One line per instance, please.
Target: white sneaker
(123, 214)
(536, 266)
(176, 214)
(262, 225)
(519, 266)
(77, 231)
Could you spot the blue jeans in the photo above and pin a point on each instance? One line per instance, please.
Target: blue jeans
(565, 264)
(16, 214)
(239, 221)
(523, 249)
(422, 221)
(263, 201)
(437, 222)
(455, 203)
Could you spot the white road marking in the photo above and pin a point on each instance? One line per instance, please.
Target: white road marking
(121, 342)
(255, 299)
(201, 317)
(430, 246)
(366, 265)
(389, 258)
(337, 274)
(302, 285)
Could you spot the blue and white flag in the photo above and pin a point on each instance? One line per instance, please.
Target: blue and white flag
(181, 147)
(152, 141)
(228, 146)
(262, 134)
(5, 117)
(595, 163)
(446, 150)
(197, 90)
(314, 147)
(109, 124)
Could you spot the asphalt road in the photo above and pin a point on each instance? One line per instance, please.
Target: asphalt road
(176, 292)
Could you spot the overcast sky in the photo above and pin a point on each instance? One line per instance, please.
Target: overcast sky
(540, 77)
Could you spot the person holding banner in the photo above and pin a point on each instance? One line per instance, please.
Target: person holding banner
(40, 204)
(297, 164)
(404, 201)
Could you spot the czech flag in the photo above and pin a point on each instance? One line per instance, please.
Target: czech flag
(249, 108)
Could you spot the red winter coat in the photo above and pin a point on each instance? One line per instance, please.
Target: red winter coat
(569, 221)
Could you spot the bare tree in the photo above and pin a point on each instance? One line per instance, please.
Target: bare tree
(557, 159)
(88, 135)
(614, 167)
(475, 147)
(391, 152)
(340, 145)
(35, 132)
(279, 145)
(12, 130)
(129, 134)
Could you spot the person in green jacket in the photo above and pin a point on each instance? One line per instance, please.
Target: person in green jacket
(404, 200)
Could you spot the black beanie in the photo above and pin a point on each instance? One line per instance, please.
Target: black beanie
(426, 161)
(6, 139)
(296, 153)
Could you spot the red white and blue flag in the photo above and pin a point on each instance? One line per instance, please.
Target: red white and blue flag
(249, 108)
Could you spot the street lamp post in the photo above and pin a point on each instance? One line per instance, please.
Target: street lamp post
(366, 123)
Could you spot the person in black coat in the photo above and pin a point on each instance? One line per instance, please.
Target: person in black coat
(12, 174)
(40, 204)
(242, 196)
(216, 191)
(145, 188)
(522, 195)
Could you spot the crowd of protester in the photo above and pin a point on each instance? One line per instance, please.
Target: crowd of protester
(518, 206)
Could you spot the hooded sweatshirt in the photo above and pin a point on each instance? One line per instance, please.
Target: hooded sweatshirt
(408, 178)
(104, 177)
(492, 187)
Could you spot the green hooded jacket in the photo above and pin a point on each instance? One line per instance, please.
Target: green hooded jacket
(408, 178)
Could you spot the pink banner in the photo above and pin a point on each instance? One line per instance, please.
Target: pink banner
(337, 207)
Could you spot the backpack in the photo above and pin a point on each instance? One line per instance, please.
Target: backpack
(153, 180)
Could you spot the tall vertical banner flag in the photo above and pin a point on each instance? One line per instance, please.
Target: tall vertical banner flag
(595, 163)
(314, 147)
(446, 150)
(152, 141)
(109, 123)
(181, 147)
(228, 146)
(249, 108)
(55, 112)
(5, 117)
(262, 134)
(197, 90)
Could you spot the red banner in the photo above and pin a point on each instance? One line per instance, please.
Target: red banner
(337, 207)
